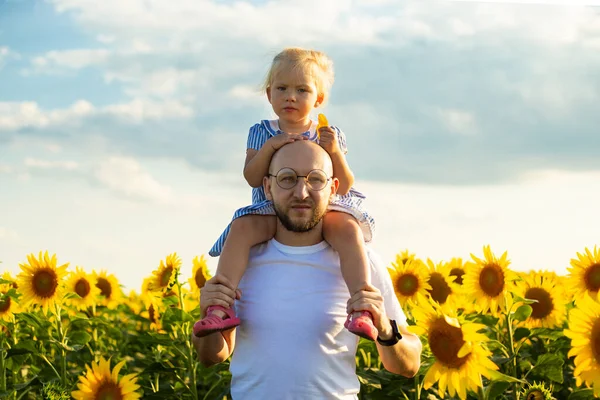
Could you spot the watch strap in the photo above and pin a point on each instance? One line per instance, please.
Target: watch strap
(396, 336)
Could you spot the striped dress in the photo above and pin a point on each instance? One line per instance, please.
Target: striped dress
(350, 203)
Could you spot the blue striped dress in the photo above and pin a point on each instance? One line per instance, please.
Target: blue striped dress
(350, 203)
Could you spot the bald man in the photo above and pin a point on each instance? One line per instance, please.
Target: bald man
(294, 301)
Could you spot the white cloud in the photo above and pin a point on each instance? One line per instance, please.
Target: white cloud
(126, 176)
(8, 234)
(72, 59)
(17, 115)
(5, 169)
(45, 164)
(459, 121)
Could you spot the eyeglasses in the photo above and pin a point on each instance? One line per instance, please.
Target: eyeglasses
(287, 178)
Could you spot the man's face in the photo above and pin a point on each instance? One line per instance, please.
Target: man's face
(301, 207)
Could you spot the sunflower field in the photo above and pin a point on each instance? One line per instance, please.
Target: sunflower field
(488, 332)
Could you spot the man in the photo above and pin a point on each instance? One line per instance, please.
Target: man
(293, 301)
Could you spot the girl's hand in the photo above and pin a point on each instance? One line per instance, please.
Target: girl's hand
(328, 140)
(278, 141)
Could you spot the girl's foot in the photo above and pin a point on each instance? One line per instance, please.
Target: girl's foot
(217, 319)
(362, 325)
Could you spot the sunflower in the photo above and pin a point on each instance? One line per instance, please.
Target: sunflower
(456, 270)
(200, 274)
(537, 391)
(134, 302)
(440, 282)
(41, 282)
(404, 257)
(584, 332)
(8, 305)
(487, 281)
(461, 356)
(100, 383)
(110, 290)
(165, 275)
(153, 311)
(550, 310)
(84, 286)
(409, 279)
(584, 275)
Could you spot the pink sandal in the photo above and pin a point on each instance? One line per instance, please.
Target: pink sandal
(362, 325)
(211, 323)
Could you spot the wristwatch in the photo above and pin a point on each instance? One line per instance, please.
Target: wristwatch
(396, 336)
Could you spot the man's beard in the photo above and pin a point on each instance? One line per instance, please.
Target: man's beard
(302, 226)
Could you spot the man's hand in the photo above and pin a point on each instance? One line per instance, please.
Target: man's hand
(218, 291)
(370, 299)
(328, 140)
(278, 141)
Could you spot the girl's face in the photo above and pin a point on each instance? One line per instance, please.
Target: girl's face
(293, 95)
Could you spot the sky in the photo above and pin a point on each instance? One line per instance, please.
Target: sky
(123, 125)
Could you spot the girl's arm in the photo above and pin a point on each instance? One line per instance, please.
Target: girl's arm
(328, 139)
(257, 165)
(257, 162)
(341, 170)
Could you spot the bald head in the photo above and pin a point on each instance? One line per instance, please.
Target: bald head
(302, 156)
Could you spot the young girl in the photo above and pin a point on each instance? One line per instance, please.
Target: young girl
(298, 81)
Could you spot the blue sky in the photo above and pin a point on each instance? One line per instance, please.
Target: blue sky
(123, 124)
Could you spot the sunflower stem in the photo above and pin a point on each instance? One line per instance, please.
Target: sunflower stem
(417, 387)
(62, 335)
(2, 367)
(192, 365)
(511, 347)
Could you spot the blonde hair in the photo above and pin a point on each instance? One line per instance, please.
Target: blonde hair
(315, 63)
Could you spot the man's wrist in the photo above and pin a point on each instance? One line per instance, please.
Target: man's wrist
(395, 337)
(386, 332)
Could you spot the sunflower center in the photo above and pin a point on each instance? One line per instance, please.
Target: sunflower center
(491, 280)
(592, 277)
(109, 391)
(458, 273)
(595, 340)
(105, 288)
(407, 284)
(200, 279)
(151, 313)
(4, 303)
(544, 306)
(44, 283)
(166, 276)
(82, 287)
(445, 341)
(439, 288)
(535, 394)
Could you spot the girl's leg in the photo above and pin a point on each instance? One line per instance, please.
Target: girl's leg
(344, 234)
(245, 232)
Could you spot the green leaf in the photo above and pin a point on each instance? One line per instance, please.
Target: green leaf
(5, 282)
(549, 366)
(80, 337)
(177, 315)
(499, 376)
(30, 319)
(520, 333)
(522, 313)
(23, 347)
(495, 389)
(582, 394)
(519, 299)
(547, 333)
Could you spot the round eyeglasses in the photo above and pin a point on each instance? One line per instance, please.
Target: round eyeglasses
(287, 178)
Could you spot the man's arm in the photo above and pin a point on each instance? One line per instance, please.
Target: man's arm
(214, 348)
(403, 358)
